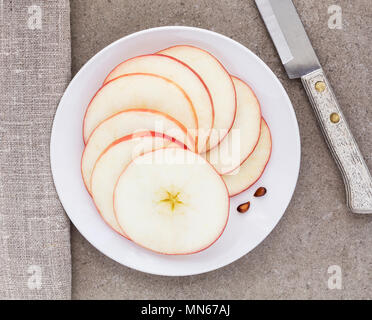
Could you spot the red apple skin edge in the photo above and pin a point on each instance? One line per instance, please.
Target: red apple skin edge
(153, 75)
(268, 159)
(125, 138)
(222, 66)
(179, 61)
(260, 124)
(176, 254)
(183, 128)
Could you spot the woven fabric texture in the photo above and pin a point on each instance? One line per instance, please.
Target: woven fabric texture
(35, 61)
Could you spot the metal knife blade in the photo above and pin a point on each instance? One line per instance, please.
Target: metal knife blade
(289, 37)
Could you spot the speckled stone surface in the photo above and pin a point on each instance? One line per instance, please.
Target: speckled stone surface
(317, 230)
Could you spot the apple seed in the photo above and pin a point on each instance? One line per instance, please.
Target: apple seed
(261, 191)
(244, 207)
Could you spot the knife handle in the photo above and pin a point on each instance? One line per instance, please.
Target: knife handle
(355, 173)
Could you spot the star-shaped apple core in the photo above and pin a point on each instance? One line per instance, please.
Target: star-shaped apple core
(172, 199)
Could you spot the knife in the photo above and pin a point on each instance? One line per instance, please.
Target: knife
(300, 61)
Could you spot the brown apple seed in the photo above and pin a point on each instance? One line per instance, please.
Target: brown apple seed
(244, 207)
(261, 191)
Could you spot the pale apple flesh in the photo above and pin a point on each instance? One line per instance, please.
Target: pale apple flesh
(218, 81)
(252, 168)
(181, 74)
(110, 165)
(123, 124)
(171, 201)
(144, 91)
(244, 134)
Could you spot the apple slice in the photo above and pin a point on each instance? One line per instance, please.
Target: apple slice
(145, 91)
(171, 201)
(181, 74)
(252, 168)
(125, 123)
(244, 134)
(112, 162)
(218, 82)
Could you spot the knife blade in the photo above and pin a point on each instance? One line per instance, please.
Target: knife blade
(300, 61)
(289, 37)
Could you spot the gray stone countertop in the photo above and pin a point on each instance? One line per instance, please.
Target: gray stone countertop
(317, 230)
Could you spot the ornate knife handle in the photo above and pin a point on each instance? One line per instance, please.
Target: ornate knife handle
(355, 173)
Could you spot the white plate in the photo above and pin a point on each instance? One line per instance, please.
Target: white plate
(244, 231)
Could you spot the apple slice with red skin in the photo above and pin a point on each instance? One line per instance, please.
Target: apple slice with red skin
(144, 91)
(251, 169)
(181, 74)
(171, 201)
(219, 83)
(112, 162)
(123, 124)
(244, 134)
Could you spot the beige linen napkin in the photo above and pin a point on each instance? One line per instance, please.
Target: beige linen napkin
(35, 259)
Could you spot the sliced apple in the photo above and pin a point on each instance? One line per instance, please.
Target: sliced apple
(125, 123)
(218, 82)
(110, 165)
(244, 134)
(171, 201)
(181, 74)
(145, 91)
(252, 168)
